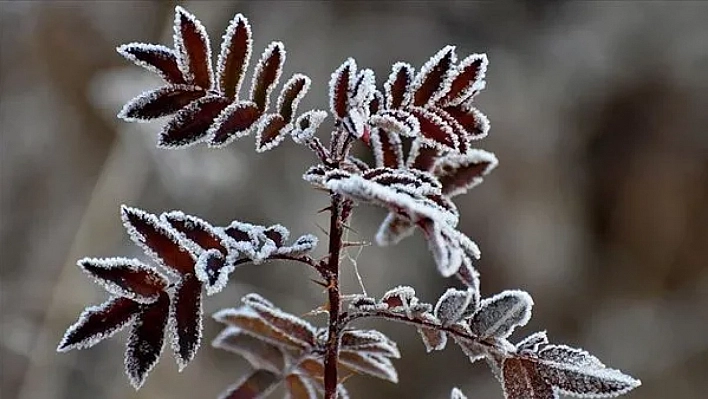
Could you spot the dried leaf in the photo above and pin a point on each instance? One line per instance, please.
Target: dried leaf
(340, 86)
(499, 315)
(369, 341)
(431, 83)
(186, 314)
(267, 74)
(373, 365)
(236, 47)
(160, 102)
(256, 385)
(235, 121)
(192, 44)
(147, 338)
(297, 328)
(260, 354)
(253, 324)
(521, 380)
(155, 58)
(191, 124)
(127, 278)
(97, 323)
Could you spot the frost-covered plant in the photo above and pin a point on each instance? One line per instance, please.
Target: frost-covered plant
(419, 129)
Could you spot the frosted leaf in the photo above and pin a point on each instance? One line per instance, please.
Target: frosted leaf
(160, 102)
(467, 79)
(457, 394)
(459, 173)
(146, 341)
(397, 87)
(532, 342)
(306, 125)
(297, 328)
(97, 323)
(394, 229)
(387, 148)
(259, 354)
(197, 231)
(355, 123)
(434, 131)
(586, 381)
(236, 47)
(399, 298)
(155, 58)
(235, 121)
(245, 236)
(192, 45)
(315, 174)
(302, 245)
(521, 380)
(254, 298)
(312, 367)
(277, 233)
(157, 240)
(291, 95)
(422, 157)
(191, 124)
(399, 122)
(499, 315)
(363, 89)
(469, 276)
(128, 278)
(267, 73)
(186, 319)
(256, 385)
(369, 341)
(363, 303)
(299, 387)
(471, 119)
(434, 339)
(340, 85)
(271, 131)
(446, 250)
(431, 82)
(471, 348)
(213, 270)
(264, 247)
(254, 325)
(568, 356)
(376, 102)
(453, 304)
(373, 365)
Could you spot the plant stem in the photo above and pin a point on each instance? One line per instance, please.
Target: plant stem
(336, 229)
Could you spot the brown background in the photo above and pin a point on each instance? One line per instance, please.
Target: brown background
(599, 207)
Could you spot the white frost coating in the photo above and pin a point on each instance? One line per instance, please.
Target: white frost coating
(300, 94)
(280, 231)
(302, 245)
(409, 71)
(391, 122)
(586, 382)
(371, 341)
(434, 339)
(363, 90)
(147, 97)
(404, 293)
(222, 118)
(228, 341)
(191, 221)
(472, 349)
(393, 230)
(566, 355)
(226, 39)
(137, 380)
(452, 305)
(182, 52)
(499, 315)
(431, 65)
(183, 116)
(275, 141)
(247, 248)
(315, 174)
(172, 329)
(533, 342)
(161, 228)
(253, 298)
(480, 118)
(457, 394)
(313, 119)
(355, 122)
(451, 165)
(434, 119)
(374, 365)
(268, 53)
(163, 52)
(393, 143)
(132, 266)
(449, 247)
(337, 75)
(295, 328)
(203, 275)
(95, 338)
(474, 86)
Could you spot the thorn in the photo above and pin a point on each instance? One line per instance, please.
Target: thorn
(346, 244)
(320, 283)
(346, 226)
(325, 209)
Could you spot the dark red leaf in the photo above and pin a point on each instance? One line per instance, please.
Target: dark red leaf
(97, 323)
(271, 132)
(213, 269)
(398, 84)
(424, 158)
(522, 380)
(234, 122)
(462, 137)
(192, 43)
(146, 340)
(293, 91)
(155, 58)
(459, 173)
(186, 313)
(191, 124)
(339, 86)
(254, 386)
(387, 149)
(126, 277)
(199, 231)
(376, 103)
(278, 233)
(474, 122)
(267, 73)
(146, 230)
(235, 56)
(468, 79)
(160, 102)
(434, 130)
(430, 83)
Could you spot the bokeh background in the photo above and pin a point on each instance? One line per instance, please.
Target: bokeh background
(599, 207)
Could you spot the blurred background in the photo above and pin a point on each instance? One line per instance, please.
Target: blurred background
(599, 207)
